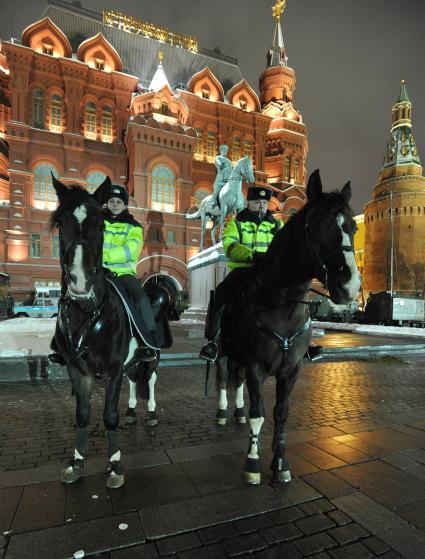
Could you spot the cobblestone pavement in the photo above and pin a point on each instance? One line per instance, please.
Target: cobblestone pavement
(356, 439)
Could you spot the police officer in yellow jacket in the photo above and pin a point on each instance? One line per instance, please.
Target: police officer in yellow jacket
(245, 238)
(122, 245)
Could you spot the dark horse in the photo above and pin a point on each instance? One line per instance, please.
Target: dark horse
(268, 328)
(93, 332)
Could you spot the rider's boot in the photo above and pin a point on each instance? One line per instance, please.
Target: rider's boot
(147, 353)
(212, 332)
(314, 352)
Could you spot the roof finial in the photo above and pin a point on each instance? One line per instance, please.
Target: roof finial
(160, 56)
(278, 9)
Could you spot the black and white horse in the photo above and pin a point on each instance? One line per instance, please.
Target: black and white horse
(268, 328)
(93, 332)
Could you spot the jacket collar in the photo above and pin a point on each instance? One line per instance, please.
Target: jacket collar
(248, 215)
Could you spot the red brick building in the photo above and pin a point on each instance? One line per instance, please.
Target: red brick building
(84, 95)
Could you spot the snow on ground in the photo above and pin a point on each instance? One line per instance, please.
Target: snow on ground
(373, 329)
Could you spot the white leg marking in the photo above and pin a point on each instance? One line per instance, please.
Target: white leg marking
(77, 455)
(256, 424)
(132, 399)
(239, 397)
(151, 402)
(80, 214)
(222, 403)
(353, 285)
(132, 346)
(115, 457)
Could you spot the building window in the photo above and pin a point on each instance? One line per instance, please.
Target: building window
(164, 109)
(200, 194)
(211, 147)
(171, 237)
(99, 64)
(38, 108)
(236, 149)
(55, 246)
(296, 171)
(56, 114)
(198, 146)
(90, 124)
(94, 179)
(205, 91)
(287, 169)
(47, 46)
(243, 103)
(44, 194)
(154, 235)
(107, 124)
(248, 149)
(35, 248)
(163, 189)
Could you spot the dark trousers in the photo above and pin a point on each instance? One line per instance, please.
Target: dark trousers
(141, 301)
(222, 297)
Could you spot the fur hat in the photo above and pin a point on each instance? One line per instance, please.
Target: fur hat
(120, 192)
(259, 193)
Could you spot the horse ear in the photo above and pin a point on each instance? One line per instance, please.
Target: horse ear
(102, 192)
(314, 186)
(61, 189)
(346, 192)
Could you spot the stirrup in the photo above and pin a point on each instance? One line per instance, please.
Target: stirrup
(147, 354)
(209, 352)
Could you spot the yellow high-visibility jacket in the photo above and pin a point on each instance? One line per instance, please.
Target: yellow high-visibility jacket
(122, 243)
(245, 234)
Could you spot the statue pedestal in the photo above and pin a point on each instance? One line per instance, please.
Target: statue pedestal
(206, 270)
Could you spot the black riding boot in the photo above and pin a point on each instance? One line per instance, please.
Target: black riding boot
(212, 332)
(55, 357)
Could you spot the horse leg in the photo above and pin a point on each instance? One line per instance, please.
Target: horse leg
(222, 379)
(82, 387)
(240, 413)
(130, 414)
(203, 227)
(110, 420)
(280, 465)
(151, 416)
(254, 380)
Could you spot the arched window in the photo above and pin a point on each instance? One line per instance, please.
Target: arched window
(248, 149)
(236, 149)
(106, 124)
(198, 145)
(211, 146)
(38, 108)
(287, 169)
(56, 114)
(94, 179)
(296, 171)
(90, 121)
(163, 188)
(44, 195)
(200, 194)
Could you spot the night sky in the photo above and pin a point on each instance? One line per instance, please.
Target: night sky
(349, 57)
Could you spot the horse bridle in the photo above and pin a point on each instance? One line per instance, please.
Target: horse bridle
(75, 243)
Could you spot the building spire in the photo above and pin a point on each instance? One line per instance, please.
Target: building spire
(277, 54)
(401, 149)
(160, 78)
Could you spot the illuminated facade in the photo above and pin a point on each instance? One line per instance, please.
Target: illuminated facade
(84, 95)
(395, 217)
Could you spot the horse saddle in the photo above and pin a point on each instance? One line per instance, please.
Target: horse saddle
(137, 323)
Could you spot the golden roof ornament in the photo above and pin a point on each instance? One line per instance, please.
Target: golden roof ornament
(160, 56)
(278, 8)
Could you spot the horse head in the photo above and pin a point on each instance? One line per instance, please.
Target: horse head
(243, 169)
(79, 219)
(330, 228)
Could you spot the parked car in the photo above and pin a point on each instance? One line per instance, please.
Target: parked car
(42, 308)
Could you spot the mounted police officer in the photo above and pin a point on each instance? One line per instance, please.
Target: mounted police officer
(122, 245)
(246, 239)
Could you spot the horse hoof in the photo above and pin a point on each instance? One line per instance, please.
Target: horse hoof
(221, 417)
(70, 475)
(115, 481)
(130, 416)
(151, 419)
(240, 416)
(253, 478)
(282, 477)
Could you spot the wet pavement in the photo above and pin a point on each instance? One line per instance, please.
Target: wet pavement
(356, 440)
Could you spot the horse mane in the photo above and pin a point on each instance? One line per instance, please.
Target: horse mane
(77, 195)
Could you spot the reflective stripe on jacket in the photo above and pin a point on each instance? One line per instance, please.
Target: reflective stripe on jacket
(122, 245)
(243, 236)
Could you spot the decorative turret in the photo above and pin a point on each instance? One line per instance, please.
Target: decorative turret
(160, 78)
(401, 149)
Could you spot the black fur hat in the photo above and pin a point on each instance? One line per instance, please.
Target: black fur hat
(259, 193)
(120, 192)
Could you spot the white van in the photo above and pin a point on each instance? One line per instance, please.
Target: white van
(42, 308)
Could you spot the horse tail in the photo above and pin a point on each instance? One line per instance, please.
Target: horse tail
(142, 380)
(196, 215)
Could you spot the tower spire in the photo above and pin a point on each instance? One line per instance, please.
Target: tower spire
(401, 149)
(160, 78)
(276, 56)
